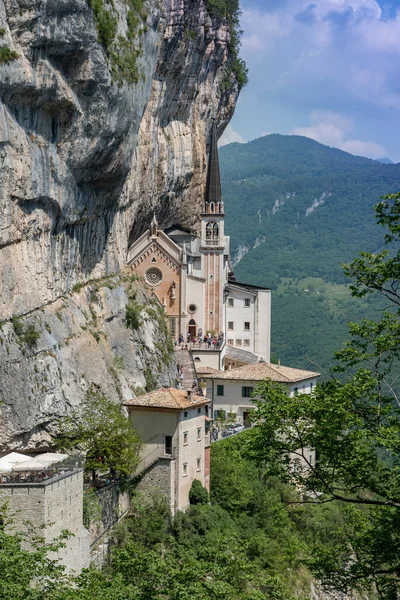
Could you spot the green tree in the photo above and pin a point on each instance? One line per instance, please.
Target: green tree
(197, 493)
(27, 574)
(100, 428)
(353, 422)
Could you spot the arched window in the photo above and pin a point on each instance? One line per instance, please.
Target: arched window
(215, 231)
(212, 207)
(209, 229)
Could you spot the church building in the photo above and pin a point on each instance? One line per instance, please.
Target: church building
(192, 277)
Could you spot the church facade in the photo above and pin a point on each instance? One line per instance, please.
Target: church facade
(192, 278)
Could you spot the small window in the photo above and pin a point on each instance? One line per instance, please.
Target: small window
(185, 438)
(296, 391)
(247, 391)
(198, 434)
(185, 414)
(246, 342)
(230, 325)
(168, 444)
(220, 390)
(231, 302)
(230, 342)
(185, 469)
(199, 464)
(199, 410)
(247, 325)
(192, 308)
(311, 387)
(238, 342)
(247, 302)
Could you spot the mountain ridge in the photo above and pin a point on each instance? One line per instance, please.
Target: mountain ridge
(296, 209)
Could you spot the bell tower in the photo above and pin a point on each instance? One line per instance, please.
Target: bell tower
(212, 242)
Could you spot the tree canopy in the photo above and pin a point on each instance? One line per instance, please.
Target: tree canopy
(100, 428)
(353, 423)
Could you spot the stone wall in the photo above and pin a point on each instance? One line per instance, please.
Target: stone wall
(49, 508)
(160, 479)
(114, 504)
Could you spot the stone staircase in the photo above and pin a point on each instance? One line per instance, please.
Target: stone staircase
(184, 359)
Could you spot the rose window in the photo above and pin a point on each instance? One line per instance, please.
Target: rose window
(153, 276)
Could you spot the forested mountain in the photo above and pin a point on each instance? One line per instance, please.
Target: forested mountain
(296, 210)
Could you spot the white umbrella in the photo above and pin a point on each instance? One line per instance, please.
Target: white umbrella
(7, 462)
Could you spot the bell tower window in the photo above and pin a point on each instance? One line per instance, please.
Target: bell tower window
(215, 231)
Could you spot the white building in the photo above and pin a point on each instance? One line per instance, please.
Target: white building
(231, 390)
(190, 273)
(173, 425)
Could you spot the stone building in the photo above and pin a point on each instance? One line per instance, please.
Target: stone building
(173, 425)
(191, 276)
(231, 390)
(46, 492)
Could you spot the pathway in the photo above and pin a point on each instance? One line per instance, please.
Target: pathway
(184, 359)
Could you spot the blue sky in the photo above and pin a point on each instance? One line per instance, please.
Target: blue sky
(327, 69)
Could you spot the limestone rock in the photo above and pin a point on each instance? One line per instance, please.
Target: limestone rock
(83, 340)
(84, 162)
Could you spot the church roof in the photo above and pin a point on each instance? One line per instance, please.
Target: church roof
(168, 398)
(262, 371)
(213, 185)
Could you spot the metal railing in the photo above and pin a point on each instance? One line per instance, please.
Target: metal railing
(200, 346)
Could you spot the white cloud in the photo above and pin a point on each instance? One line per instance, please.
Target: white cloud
(229, 136)
(350, 46)
(334, 129)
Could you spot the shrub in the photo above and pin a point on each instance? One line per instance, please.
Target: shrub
(230, 10)
(31, 336)
(133, 315)
(151, 381)
(197, 493)
(18, 326)
(7, 55)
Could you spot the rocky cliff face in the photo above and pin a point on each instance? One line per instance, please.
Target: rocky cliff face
(86, 157)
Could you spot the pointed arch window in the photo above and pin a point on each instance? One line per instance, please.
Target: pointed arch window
(215, 231)
(209, 231)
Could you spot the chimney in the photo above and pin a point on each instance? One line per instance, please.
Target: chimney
(189, 394)
(279, 362)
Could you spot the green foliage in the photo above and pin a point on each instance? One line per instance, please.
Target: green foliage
(78, 286)
(122, 52)
(106, 23)
(100, 428)
(91, 508)
(27, 574)
(133, 315)
(2, 31)
(354, 424)
(28, 335)
(230, 10)
(269, 184)
(31, 336)
(151, 380)
(7, 55)
(18, 326)
(197, 493)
